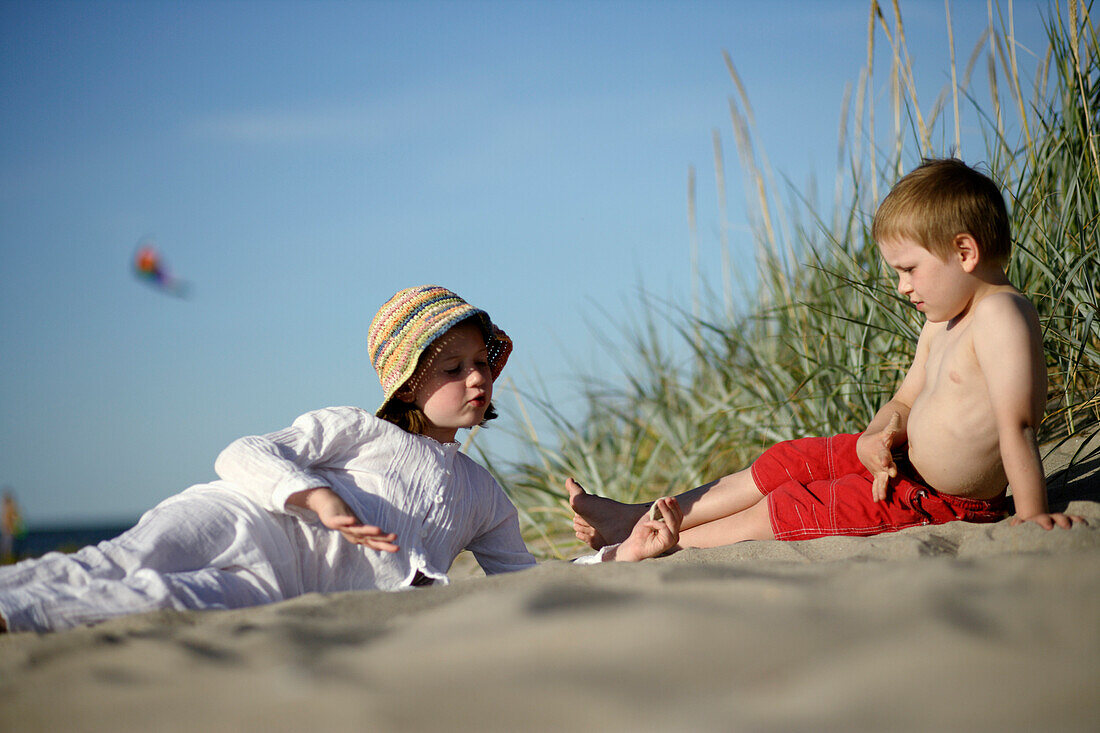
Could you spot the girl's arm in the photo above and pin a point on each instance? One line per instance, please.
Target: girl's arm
(500, 548)
(335, 514)
(270, 468)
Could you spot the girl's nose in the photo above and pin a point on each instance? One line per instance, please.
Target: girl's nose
(475, 377)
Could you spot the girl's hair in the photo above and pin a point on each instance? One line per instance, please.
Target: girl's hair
(409, 417)
(412, 419)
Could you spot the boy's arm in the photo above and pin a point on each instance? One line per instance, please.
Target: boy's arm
(888, 429)
(1007, 346)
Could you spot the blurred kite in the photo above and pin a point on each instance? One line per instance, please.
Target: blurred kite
(150, 267)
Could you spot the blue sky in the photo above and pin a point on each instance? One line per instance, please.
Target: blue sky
(298, 162)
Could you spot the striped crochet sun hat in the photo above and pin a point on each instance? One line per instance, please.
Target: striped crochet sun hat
(411, 320)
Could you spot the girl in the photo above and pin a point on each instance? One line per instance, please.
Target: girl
(303, 510)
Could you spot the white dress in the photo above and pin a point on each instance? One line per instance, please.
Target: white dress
(235, 542)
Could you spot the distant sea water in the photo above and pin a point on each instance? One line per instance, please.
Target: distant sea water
(38, 541)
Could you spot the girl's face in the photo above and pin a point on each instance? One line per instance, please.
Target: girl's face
(453, 386)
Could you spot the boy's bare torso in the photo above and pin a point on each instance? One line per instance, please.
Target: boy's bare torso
(952, 432)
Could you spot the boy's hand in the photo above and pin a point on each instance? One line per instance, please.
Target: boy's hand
(1048, 520)
(335, 514)
(875, 451)
(652, 537)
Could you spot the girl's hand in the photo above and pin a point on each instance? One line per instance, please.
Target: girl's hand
(335, 514)
(652, 537)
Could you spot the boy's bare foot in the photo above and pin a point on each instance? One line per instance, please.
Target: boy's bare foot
(599, 521)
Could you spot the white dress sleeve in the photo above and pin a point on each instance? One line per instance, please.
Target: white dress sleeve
(269, 468)
(500, 548)
(596, 558)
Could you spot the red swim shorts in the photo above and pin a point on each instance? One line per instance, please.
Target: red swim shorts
(818, 487)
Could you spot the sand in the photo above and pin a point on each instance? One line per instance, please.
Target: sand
(956, 627)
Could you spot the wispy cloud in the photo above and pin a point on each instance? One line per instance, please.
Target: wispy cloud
(376, 120)
(278, 127)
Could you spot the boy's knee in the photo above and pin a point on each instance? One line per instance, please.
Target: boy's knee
(761, 520)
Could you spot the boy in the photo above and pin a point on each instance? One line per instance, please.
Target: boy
(960, 428)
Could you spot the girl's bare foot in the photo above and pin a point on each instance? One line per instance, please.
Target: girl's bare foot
(599, 521)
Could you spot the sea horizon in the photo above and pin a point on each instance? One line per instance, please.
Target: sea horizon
(67, 537)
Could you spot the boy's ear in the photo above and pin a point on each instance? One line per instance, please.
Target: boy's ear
(966, 249)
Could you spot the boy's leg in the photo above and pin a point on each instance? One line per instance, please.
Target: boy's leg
(753, 523)
(600, 521)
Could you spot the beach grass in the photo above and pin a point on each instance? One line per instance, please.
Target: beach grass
(816, 337)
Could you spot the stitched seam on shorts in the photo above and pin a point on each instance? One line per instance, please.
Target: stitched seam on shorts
(804, 533)
(830, 459)
(789, 476)
(807, 533)
(834, 519)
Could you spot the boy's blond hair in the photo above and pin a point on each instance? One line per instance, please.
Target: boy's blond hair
(940, 199)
